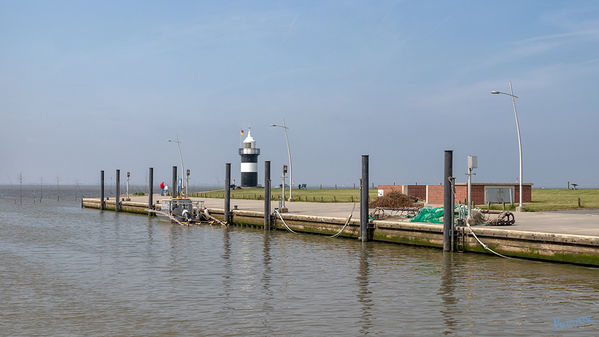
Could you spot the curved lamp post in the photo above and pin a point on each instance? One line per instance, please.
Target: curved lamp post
(511, 94)
(180, 158)
(284, 127)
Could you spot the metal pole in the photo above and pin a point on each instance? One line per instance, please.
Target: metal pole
(187, 182)
(521, 206)
(117, 203)
(174, 186)
(290, 164)
(102, 190)
(283, 187)
(151, 193)
(469, 192)
(364, 200)
(228, 192)
(447, 202)
(267, 195)
(128, 175)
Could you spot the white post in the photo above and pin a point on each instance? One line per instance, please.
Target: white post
(283, 188)
(469, 192)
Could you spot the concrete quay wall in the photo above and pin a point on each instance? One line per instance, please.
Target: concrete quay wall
(576, 249)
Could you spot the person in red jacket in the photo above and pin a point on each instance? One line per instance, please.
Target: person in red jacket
(162, 188)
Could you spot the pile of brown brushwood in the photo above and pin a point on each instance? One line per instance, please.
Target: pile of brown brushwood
(394, 200)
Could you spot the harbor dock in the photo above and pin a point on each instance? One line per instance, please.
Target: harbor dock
(567, 237)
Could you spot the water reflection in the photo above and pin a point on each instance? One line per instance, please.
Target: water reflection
(228, 269)
(447, 293)
(267, 302)
(364, 293)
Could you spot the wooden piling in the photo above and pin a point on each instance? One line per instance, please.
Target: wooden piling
(227, 192)
(102, 204)
(364, 200)
(447, 202)
(174, 185)
(267, 222)
(151, 192)
(117, 204)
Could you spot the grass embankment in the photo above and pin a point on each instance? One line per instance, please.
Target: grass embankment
(556, 199)
(324, 195)
(542, 199)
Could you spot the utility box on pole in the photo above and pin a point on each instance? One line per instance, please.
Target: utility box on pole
(472, 162)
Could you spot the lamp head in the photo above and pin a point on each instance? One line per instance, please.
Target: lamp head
(495, 92)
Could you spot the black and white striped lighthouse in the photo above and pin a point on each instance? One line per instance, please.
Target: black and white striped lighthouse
(249, 162)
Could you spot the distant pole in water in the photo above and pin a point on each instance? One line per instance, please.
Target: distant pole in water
(20, 188)
(448, 202)
(174, 185)
(364, 200)
(57, 188)
(228, 192)
(267, 224)
(102, 190)
(41, 188)
(151, 193)
(117, 203)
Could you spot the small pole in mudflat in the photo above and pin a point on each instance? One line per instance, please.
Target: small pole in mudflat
(267, 224)
(228, 192)
(102, 190)
(151, 192)
(364, 200)
(447, 202)
(174, 185)
(117, 202)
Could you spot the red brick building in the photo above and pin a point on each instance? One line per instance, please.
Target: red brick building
(482, 193)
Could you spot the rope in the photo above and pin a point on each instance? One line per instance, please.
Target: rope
(213, 218)
(482, 244)
(279, 214)
(346, 222)
(168, 216)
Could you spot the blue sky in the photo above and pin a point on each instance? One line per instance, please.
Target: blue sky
(86, 86)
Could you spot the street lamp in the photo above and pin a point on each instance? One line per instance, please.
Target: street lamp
(511, 94)
(288, 156)
(181, 158)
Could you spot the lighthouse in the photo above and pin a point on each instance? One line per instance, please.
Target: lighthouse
(249, 162)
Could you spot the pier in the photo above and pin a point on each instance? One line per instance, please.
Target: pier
(567, 237)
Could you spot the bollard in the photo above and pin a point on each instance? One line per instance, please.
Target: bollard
(228, 192)
(364, 200)
(117, 202)
(267, 224)
(447, 202)
(174, 185)
(102, 190)
(151, 193)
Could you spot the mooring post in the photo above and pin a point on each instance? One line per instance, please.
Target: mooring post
(228, 192)
(267, 224)
(102, 190)
(174, 185)
(447, 202)
(364, 200)
(117, 201)
(151, 192)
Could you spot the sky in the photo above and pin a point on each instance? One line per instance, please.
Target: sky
(99, 85)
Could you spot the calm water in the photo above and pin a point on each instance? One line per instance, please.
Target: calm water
(71, 271)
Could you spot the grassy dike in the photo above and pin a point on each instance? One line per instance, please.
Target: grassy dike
(556, 199)
(542, 199)
(316, 195)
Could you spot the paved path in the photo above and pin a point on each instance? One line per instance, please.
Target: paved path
(579, 222)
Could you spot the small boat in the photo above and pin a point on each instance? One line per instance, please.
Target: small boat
(182, 211)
